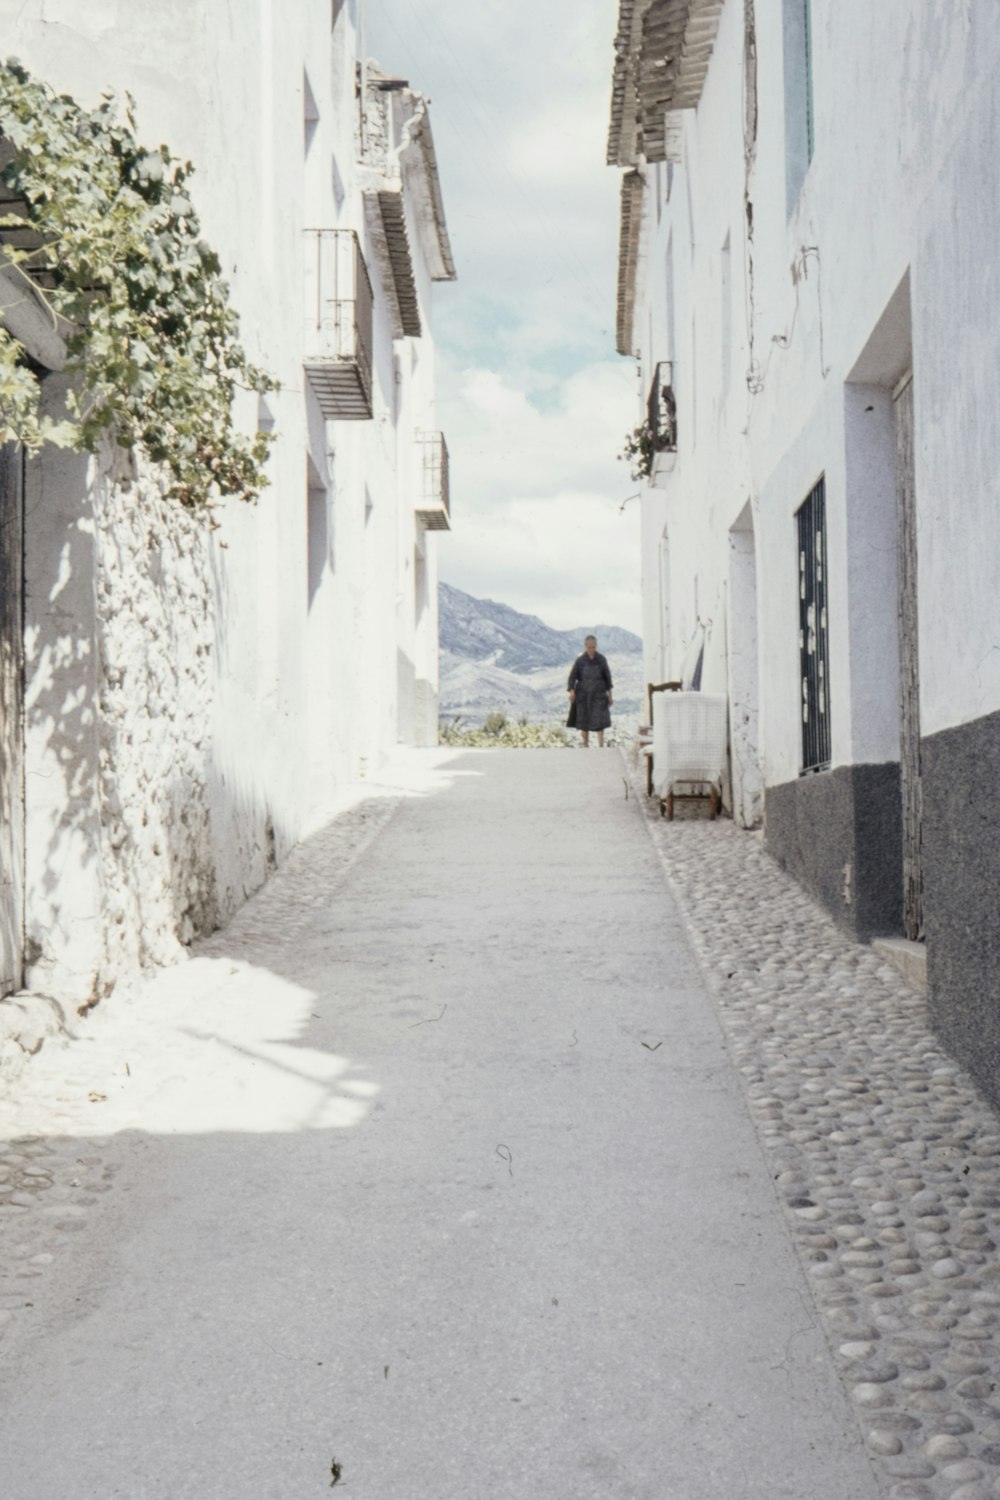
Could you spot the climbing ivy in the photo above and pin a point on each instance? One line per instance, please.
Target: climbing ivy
(153, 340)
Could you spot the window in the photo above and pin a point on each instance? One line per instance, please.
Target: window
(317, 529)
(799, 137)
(813, 633)
(310, 112)
(266, 421)
(339, 191)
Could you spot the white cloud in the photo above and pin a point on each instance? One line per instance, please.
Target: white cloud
(533, 399)
(537, 493)
(507, 443)
(571, 558)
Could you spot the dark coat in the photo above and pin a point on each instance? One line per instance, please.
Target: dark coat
(590, 679)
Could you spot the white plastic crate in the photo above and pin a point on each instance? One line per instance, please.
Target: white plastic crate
(690, 739)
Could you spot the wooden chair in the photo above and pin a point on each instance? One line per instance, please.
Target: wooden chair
(690, 733)
(651, 688)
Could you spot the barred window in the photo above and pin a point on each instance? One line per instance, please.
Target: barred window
(813, 632)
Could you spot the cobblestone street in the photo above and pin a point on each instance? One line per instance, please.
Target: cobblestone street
(436, 1165)
(885, 1156)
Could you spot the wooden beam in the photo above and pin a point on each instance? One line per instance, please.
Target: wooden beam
(26, 316)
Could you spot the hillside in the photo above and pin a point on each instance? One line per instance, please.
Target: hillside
(480, 628)
(493, 658)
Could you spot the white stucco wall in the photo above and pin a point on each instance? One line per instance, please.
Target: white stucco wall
(907, 123)
(197, 702)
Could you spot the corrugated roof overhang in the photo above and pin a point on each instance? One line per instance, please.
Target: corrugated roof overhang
(385, 215)
(662, 52)
(628, 256)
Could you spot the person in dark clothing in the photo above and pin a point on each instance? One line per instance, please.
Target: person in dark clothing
(589, 688)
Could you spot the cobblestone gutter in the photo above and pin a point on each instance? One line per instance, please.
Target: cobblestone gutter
(885, 1157)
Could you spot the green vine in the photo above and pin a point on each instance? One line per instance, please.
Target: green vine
(152, 339)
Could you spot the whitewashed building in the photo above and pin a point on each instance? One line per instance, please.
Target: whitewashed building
(810, 221)
(182, 706)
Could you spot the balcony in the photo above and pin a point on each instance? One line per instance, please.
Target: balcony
(338, 331)
(434, 502)
(661, 411)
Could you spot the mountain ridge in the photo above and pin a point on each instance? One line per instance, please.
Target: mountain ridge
(484, 629)
(496, 659)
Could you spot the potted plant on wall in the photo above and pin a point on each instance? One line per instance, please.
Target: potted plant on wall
(640, 450)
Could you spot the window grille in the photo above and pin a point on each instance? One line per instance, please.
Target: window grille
(813, 632)
(661, 408)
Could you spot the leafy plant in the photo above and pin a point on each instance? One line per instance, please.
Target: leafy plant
(152, 338)
(505, 735)
(639, 450)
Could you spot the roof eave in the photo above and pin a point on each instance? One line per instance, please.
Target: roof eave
(663, 50)
(424, 183)
(629, 242)
(385, 217)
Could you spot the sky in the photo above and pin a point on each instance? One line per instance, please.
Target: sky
(532, 398)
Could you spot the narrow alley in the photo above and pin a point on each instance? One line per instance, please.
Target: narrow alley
(387, 390)
(431, 1176)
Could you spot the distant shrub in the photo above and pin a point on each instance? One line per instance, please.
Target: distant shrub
(498, 733)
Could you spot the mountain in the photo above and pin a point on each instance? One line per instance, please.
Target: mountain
(493, 658)
(480, 629)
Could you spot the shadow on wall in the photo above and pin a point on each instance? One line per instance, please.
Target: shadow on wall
(62, 812)
(249, 834)
(154, 629)
(122, 777)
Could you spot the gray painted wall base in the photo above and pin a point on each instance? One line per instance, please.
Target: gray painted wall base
(840, 833)
(909, 958)
(961, 842)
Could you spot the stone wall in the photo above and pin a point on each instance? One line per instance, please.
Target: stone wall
(196, 704)
(154, 633)
(121, 838)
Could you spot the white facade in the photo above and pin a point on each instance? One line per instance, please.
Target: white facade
(827, 224)
(196, 702)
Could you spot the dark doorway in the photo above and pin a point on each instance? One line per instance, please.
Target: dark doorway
(909, 667)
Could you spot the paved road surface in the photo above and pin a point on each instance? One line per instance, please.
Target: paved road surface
(490, 1221)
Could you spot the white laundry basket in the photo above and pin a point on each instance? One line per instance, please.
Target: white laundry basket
(690, 741)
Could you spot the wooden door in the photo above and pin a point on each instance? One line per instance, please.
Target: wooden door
(909, 667)
(11, 719)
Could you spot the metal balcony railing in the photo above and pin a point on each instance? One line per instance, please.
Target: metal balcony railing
(434, 503)
(662, 409)
(338, 332)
